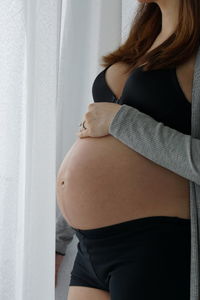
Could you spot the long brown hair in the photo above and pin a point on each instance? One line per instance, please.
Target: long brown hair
(146, 26)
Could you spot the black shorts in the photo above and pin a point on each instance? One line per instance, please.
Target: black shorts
(140, 259)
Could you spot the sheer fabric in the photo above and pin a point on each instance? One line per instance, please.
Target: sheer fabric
(29, 52)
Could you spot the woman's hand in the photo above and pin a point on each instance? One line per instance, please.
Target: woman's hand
(98, 118)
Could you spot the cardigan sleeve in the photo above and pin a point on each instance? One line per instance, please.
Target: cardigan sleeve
(163, 145)
(64, 234)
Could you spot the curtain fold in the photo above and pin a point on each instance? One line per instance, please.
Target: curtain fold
(12, 142)
(29, 55)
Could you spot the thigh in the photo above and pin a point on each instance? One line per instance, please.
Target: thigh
(87, 293)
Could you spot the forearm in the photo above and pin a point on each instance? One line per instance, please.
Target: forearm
(165, 146)
(64, 234)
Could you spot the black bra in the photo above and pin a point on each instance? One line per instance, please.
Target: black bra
(156, 93)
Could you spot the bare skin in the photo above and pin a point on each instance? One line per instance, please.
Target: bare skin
(90, 196)
(103, 182)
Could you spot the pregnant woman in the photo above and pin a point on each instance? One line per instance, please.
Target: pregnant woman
(131, 215)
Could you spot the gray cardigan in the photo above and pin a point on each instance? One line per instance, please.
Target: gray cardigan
(169, 148)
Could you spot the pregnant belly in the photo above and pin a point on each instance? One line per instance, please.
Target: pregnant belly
(101, 181)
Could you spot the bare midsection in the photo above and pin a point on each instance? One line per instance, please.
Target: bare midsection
(101, 181)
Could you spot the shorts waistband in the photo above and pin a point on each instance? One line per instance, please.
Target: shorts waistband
(133, 226)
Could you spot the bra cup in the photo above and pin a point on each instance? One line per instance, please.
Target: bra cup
(154, 92)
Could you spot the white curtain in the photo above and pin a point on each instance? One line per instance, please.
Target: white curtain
(29, 52)
(45, 86)
(90, 29)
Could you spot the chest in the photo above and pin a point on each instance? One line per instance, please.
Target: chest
(164, 94)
